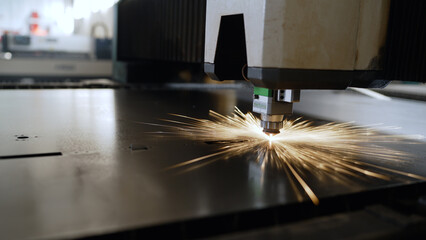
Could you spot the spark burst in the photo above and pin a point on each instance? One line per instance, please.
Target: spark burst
(331, 148)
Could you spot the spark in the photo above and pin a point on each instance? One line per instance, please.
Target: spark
(300, 146)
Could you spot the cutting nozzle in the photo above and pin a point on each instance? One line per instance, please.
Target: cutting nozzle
(273, 104)
(271, 124)
(271, 127)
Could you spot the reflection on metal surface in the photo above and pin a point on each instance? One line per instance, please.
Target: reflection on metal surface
(96, 115)
(299, 148)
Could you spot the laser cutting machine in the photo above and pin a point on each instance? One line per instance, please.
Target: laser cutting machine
(82, 163)
(283, 47)
(280, 46)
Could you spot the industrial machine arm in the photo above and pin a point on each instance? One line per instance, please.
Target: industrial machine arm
(284, 46)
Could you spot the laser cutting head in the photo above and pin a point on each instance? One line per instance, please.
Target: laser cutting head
(273, 45)
(273, 105)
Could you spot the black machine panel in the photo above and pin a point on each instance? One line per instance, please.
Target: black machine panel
(158, 38)
(406, 41)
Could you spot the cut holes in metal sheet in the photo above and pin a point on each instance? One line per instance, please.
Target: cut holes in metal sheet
(31, 155)
(138, 147)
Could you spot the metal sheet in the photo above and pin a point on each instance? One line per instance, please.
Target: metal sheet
(400, 116)
(99, 185)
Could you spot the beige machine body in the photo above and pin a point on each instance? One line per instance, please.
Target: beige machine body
(305, 34)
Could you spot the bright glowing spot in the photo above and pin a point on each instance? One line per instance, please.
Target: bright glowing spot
(332, 149)
(83, 8)
(66, 22)
(7, 55)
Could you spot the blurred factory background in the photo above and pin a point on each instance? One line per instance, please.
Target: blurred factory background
(55, 40)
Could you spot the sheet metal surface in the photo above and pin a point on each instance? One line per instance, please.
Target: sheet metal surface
(99, 185)
(403, 116)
